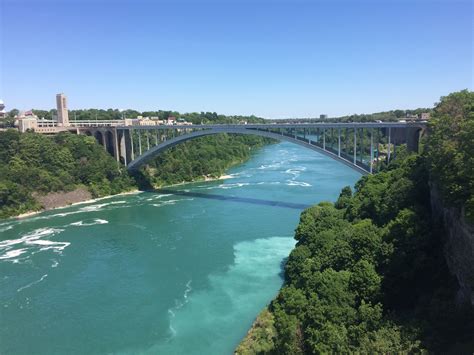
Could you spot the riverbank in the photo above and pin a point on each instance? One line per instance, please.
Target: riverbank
(58, 200)
(54, 205)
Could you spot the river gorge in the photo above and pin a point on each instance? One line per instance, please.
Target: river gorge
(180, 271)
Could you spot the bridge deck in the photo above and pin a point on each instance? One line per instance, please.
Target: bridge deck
(286, 125)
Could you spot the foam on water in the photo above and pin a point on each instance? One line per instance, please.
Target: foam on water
(13, 253)
(97, 207)
(31, 243)
(255, 276)
(170, 202)
(32, 283)
(179, 303)
(4, 229)
(230, 186)
(269, 166)
(158, 196)
(92, 223)
(85, 209)
(31, 236)
(298, 183)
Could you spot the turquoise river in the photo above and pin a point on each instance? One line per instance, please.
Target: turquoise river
(184, 271)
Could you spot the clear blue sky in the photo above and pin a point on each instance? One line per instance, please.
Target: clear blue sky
(270, 58)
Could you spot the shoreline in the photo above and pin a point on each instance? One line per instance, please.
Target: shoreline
(32, 213)
(131, 192)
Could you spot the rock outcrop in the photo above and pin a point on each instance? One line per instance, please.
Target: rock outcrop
(459, 245)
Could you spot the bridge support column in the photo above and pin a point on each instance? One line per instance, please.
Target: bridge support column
(346, 143)
(413, 139)
(122, 147)
(104, 140)
(371, 149)
(389, 139)
(139, 141)
(339, 143)
(125, 146)
(378, 149)
(116, 146)
(132, 153)
(324, 139)
(355, 146)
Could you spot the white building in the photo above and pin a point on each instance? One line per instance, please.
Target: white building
(27, 123)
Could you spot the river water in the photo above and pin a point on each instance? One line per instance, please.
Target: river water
(181, 272)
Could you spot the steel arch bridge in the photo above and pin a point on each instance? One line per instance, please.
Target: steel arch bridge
(363, 147)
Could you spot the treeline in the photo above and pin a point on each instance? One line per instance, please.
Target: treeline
(368, 274)
(115, 114)
(32, 164)
(385, 116)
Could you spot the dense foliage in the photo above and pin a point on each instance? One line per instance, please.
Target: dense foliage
(450, 149)
(386, 116)
(202, 157)
(32, 163)
(368, 274)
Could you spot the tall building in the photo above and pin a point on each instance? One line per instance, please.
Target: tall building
(61, 105)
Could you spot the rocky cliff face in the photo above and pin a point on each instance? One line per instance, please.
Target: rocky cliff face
(459, 245)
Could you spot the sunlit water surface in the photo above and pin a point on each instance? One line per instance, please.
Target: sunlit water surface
(170, 273)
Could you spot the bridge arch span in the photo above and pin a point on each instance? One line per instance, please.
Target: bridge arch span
(153, 152)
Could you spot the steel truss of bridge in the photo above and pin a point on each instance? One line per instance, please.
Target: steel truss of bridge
(365, 147)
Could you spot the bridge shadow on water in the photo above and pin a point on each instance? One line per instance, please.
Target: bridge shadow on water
(255, 201)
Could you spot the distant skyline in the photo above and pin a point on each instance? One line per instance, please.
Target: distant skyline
(274, 59)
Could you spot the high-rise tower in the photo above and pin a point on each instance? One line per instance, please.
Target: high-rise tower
(61, 105)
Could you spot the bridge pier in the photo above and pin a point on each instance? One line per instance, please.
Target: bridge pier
(413, 136)
(339, 143)
(123, 146)
(371, 149)
(355, 146)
